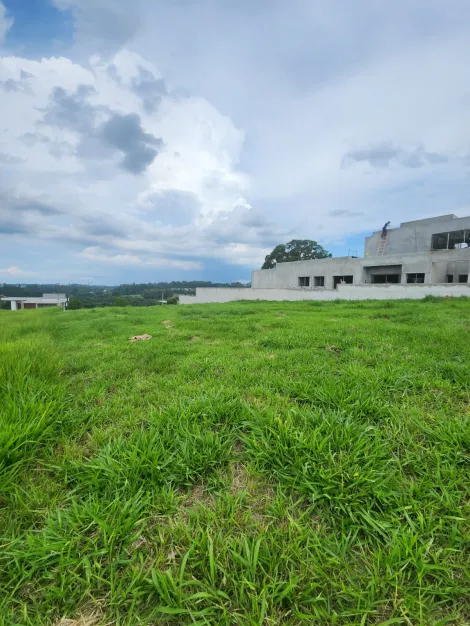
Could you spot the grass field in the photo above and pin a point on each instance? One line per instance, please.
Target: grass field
(252, 464)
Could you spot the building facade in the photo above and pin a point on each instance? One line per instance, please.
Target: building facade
(18, 303)
(430, 252)
(433, 252)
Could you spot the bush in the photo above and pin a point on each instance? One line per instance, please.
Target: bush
(430, 298)
(74, 303)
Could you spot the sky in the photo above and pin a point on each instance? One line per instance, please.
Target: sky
(183, 139)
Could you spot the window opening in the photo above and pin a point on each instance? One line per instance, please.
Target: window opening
(342, 279)
(415, 278)
(453, 240)
(380, 279)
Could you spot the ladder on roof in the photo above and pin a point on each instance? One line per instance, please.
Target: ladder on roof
(382, 244)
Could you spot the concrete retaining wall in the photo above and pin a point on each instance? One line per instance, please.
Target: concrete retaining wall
(343, 292)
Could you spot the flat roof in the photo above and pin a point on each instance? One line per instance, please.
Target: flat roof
(35, 300)
(449, 216)
(329, 258)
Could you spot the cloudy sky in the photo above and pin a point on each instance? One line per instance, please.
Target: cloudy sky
(183, 139)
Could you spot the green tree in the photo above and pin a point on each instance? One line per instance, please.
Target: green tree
(74, 303)
(295, 250)
(119, 301)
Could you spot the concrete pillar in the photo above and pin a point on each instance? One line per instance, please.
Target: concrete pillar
(13, 305)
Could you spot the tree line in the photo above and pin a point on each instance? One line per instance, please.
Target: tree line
(152, 294)
(127, 294)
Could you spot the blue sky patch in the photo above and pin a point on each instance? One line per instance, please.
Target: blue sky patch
(39, 28)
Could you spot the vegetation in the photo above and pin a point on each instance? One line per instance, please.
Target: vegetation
(119, 301)
(295, 250)
(74, 304)
(252, 464)
(91, 296)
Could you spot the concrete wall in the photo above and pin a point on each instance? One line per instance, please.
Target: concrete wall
(286, 275)
(434, 265)
(442, 269)
(369, 271)
(343, 292)
(410, 264)
(415, 236)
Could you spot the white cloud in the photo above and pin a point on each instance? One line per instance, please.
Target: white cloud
(328, 119)
(313, 82)
(96, 254)
(137, 184)
(16, 272)
(6, 22)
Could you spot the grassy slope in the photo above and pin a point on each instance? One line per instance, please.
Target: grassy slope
(281, 463)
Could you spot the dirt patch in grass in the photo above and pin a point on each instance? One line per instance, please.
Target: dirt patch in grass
(91, 619)
(254, 400)
(240, 478)
(167, 323)
(145, 337)
(197, 495)
(238, 447)
(140, 542)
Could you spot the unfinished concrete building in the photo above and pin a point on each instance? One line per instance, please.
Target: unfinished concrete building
(428, 256)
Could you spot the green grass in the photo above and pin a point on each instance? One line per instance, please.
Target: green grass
(252, 464)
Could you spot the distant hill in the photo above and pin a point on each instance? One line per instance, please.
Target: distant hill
(92, 296)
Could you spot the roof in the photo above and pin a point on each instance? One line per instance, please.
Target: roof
(41, 300)
(324, 259)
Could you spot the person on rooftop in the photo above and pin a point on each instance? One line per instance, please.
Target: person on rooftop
(384, 230)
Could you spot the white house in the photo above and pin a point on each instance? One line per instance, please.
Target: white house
(47, 300)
